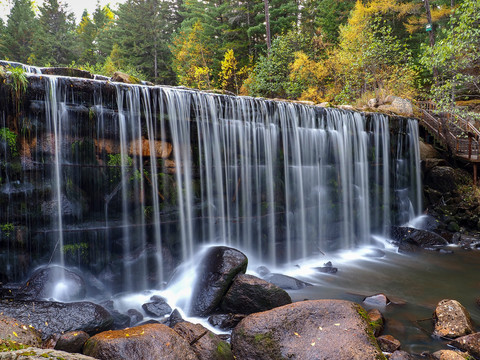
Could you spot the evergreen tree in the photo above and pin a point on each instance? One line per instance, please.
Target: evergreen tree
(55, 42)
(104, 21)
(143, 31)
(87, 32)
(20, 30)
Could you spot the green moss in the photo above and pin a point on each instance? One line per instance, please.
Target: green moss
(224, 351)
(11, 139)
(369, 331)
(10, 345)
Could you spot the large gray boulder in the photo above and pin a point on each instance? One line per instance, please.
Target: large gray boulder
(54, 318)
(145, 342)
(249, 294)
(452, 320)
(216, 272)
(307, 330)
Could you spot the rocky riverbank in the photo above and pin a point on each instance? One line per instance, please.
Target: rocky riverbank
(258, 319)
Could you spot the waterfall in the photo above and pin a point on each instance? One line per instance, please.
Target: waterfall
(142, 176)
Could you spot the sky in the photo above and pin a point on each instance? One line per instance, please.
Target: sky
(75, 6)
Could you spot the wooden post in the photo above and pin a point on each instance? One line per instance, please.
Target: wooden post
(474, 174)
(469, 146)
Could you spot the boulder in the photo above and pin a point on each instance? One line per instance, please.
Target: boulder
(120, 321)
(307, 330)
(378, 300)
(135, 316)
(146, 342)
(205, 343)
(469, 343)
(119, 76)
(448, 355)
(53, 282)
(409, 239)
(427, 151)
(174, 318)
(72, 341)
(53, 317)
(216, 272)
(285, 282)
(327, 268)
(400, 355)
(33, 353)
(441, 178)
(157, 308)
(249, 294)
(376, 320)
(11, 329)
(388, 343)
(397, 105)
(65, 71)
(452, 320)
(225, 321)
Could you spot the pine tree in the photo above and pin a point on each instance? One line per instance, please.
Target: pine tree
(87, 32)
(55, 42)
(19, 32)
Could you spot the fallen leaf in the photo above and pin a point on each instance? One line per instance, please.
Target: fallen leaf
(296, 334)
(313, 344)
(14, 333)
(337, 324)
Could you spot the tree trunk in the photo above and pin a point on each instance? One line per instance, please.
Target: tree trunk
(431, 33)
(267, 25)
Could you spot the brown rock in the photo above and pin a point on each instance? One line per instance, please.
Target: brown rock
(11, 329)
(72, 341)
(452, 320)
(33, 353)
(469, 343)
(377, 300)
(388, 343)
(375, 318)
(427, 151)
(143, 147)
(319, 329)
(448, 355)
(146, 342)
(205, 343)
(125, 78)
(249, 294)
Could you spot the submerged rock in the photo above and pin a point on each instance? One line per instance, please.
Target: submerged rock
(378, 300)
(307, 330)
(327, 268)
(376, 320)
(469, 343)
(205, 343)
(249, 294)
(51, 317)
(53, 281)
(452, 320)
(400, 355)
(147, 342)
(282, 281)
(215, 274)
(388, 343)
(409, 239)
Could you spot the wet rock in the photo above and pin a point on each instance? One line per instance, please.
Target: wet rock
(120, 321)
(64, 71)
(285, 282)
(33, 353)
(53, 281)
(303, 330)
(249, 294)
(174, 318)
(469, 343)
(448, 355)
(388, 343)
(327, 268)
(400, 355)
(53, 317)
(147, 342)
(376, 320)
(135, 316)
(157, 308)
(452, 320)
(409, 239)
(11, 329)
(378, 300)
(215, 274)
(72, 341)
(206, 344)
(225, 321)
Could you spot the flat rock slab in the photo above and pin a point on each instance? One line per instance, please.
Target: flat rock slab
(41, 354)
(307, 330)
(10, 329)
(50, 317)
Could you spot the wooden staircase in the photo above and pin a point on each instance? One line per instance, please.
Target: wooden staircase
(456, 134)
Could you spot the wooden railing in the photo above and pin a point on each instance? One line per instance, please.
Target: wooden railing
(459, 135)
